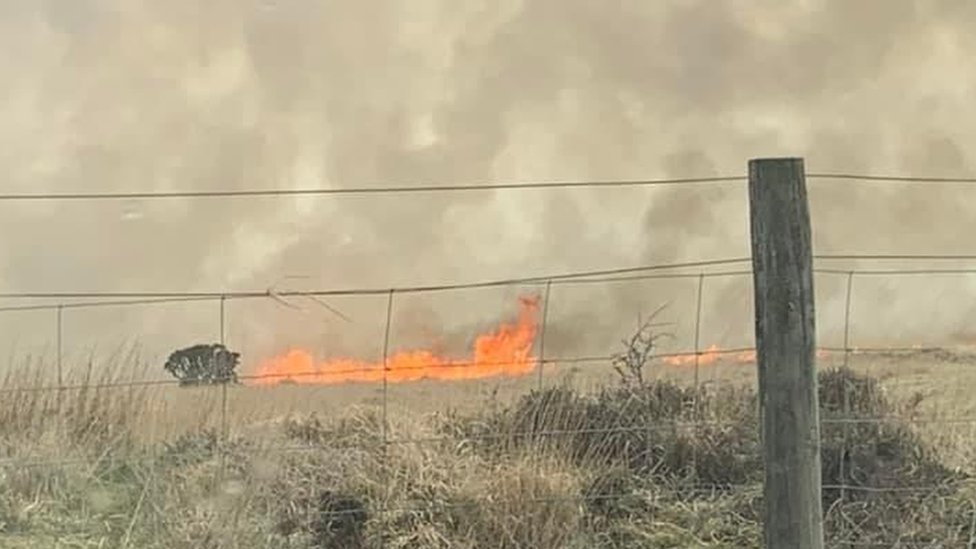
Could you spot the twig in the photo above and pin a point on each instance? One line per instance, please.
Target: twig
(972, 529)
(135, 513)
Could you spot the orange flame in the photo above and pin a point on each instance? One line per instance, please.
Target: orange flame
(708, 356)
(714, 354)
(507, 352)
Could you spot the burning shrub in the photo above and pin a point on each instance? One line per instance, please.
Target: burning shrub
(203, 365)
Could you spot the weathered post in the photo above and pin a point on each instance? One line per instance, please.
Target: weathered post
(782, 260)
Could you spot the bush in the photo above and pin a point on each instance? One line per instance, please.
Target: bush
(203, 365)
(878, 473)
(647, 429)
(864, 447)
(653, 427)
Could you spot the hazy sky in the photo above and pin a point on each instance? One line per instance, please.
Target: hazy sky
(101, 95)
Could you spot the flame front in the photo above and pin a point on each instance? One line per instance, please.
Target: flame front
(714, 354)
(506, 352)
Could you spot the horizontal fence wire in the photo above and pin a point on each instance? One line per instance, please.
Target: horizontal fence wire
(881, 350)
(449, 365)
(33, 462)
(962, 542)
(271, 292)
(108, 303)
(583, 279)
(360, 370)
(895, 257)
(668, 426)
(866, 178)
(675, 490)
(621, 274)
(427, 188)
(657, 493)
(375, 189)
(689, 493)
(430, 365)
(663, 426)
(896, 272)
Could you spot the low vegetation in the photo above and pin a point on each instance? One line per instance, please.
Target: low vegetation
(645, 464)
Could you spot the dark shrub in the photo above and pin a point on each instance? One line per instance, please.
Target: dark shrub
(340, 521)
(203, 365)
(647, 429)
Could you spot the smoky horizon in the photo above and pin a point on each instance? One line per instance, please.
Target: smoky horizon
(104, 96)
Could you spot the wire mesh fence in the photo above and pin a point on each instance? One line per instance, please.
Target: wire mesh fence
(549, 384)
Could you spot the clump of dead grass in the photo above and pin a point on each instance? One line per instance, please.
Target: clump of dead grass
(656, 429)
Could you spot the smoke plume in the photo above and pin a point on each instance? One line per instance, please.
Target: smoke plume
(113, 95)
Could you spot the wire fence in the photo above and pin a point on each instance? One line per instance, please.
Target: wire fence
(691, 358)
(535, 372)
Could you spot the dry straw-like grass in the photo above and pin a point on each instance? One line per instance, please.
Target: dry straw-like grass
(651, 466)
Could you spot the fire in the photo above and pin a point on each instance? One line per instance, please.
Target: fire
(708, 356)
(714, 354)
(506, 352)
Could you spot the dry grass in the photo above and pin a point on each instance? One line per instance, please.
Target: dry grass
(584, 463)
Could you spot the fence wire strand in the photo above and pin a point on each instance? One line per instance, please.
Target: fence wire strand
(605, 276)
(378, 370)
(424, 188)
(429, 188)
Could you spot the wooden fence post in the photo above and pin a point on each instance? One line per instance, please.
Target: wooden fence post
(782, 260)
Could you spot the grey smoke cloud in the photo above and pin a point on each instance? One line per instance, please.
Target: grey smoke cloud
(140, 95)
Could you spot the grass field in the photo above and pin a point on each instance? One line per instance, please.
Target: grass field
(586, 462)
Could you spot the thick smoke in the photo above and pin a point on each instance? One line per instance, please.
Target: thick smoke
(103, 95)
